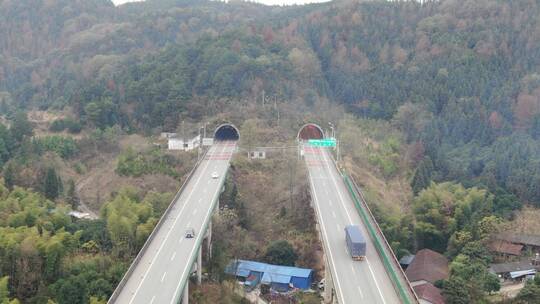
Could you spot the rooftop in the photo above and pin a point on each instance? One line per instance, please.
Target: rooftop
(429, 293)
(505, 247)
(271, 273)
(427, 265)
(525, 239)
(512, 266)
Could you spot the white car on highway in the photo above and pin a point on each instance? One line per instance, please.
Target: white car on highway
(215, 175)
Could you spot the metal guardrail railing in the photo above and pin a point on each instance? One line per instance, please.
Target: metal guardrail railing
(152, 235)
(390, 262)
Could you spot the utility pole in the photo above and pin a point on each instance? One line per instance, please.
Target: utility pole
(183, 133)
(204, 136)
(200, 145)
(337, 151)
(292, 171)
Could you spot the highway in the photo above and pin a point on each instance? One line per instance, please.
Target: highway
(354, 281)
(166, 264)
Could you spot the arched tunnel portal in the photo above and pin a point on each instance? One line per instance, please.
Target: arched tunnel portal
(310, 131)
(226, 132)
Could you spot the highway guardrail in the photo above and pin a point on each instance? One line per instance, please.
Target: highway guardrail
(152, 235)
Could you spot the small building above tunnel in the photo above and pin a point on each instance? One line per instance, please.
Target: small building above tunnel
(226, 132)
(310, 131)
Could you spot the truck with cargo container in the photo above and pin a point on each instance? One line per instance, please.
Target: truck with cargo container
(356, 243)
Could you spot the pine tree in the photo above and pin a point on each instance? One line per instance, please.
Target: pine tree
(9, 176)
(422, 176)
(71, 195)
(21, 127)
(51, 184)
(535, 128)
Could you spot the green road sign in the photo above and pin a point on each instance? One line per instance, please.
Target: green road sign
(326, 142)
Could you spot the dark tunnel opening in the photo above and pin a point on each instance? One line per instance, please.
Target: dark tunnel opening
(226, 132)
(310, 131)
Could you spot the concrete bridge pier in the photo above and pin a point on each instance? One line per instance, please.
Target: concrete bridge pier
(199, 267)
(328, 294)
(185, 299)
(209, 241)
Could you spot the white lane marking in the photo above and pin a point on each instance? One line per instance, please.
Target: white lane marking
(167, 236)
(194, 211)
(356, 277)
(163, 276)
(360, 291)
(173, 255)
(330, 203)
(337, 188)
(333, 214)
(194, 247)
(188, 223)
(340, 292)
(375, 279)
(342, 201)
(153, 298)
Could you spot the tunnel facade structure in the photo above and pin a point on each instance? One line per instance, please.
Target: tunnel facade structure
(226, 132)
(310, 131)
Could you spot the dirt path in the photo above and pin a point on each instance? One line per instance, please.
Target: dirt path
(82, 205)
(511, 291)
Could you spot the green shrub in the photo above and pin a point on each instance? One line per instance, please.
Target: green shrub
(65, 147)
(131, 163)
(71, 125)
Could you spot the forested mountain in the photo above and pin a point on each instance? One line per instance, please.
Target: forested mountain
(459, 79)
(465, 72)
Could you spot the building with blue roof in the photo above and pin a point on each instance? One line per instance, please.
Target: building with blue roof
(280, 278)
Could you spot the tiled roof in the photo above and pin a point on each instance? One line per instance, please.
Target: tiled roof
(511, 266)
(429, 293)
(505, 247)
(427, 265)
(525, 239)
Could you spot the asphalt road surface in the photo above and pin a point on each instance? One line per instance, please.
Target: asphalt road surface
(166, 263)
(354, 281)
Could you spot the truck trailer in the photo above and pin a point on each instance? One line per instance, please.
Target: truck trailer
(356, 243)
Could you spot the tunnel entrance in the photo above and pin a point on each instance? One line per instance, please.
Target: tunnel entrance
(310, 131)
(226, 132)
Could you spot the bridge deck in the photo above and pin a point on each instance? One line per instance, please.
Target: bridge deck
(161, 272)
(354, 281)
